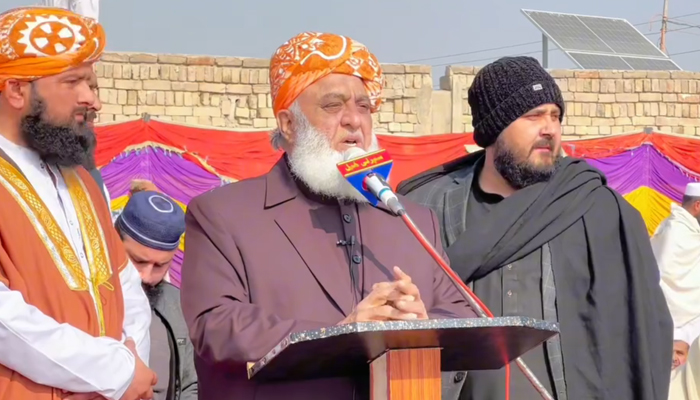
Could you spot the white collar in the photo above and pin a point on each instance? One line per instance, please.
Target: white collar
(682, 215)
(19, 153)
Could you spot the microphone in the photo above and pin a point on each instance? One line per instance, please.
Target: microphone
(367, 173)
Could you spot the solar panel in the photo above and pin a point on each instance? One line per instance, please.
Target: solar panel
(568, 32)
(599, 42)
(622, 37)
(599, 61)
(651, 64)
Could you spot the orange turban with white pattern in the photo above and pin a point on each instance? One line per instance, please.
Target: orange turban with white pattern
(40, 41)
(310, 56)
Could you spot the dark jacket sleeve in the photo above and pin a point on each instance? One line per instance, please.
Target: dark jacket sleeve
(449, 301)
(189, 374)
(226, 329)
(188, 378)
(654, 336)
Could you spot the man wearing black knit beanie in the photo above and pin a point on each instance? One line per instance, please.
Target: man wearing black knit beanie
(542, 236)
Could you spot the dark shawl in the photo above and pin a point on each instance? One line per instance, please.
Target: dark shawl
(616, 330)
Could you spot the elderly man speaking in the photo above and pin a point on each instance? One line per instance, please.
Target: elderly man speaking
(299, 248)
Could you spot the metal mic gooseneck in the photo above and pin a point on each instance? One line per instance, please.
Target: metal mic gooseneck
(476, 304)
(382, 191)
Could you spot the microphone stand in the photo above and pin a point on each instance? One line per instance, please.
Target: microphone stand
(476, 304)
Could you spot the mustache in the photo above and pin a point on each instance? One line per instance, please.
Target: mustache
(544, 143)
(88, 115)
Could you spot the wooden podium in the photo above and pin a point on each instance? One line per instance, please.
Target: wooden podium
(404, 360)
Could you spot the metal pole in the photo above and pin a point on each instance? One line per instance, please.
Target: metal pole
(664, 27)
(545, 51)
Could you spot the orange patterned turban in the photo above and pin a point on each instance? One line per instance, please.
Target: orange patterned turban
(39, 41)
(310, 56)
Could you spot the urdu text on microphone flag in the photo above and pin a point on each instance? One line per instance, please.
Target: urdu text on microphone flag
(355, 170)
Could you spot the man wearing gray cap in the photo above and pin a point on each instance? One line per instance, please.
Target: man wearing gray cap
(150, 227)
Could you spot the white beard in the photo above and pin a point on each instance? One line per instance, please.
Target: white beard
(314, 162)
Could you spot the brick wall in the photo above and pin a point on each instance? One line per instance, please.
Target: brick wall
(234, 92)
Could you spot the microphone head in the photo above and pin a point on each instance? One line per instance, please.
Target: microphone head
(359, 164)
(353, 153)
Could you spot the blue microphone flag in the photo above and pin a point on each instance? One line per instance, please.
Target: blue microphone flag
(356, 170)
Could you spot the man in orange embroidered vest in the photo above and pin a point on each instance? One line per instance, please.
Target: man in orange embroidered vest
(74, 320)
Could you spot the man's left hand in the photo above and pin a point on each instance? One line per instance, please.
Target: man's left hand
(407, 297)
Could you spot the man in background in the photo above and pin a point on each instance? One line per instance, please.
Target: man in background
(542, 236)
(151, 226)
(676, 245)
(685, 380)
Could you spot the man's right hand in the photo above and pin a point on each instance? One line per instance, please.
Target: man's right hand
(141, 387)
(376, 306)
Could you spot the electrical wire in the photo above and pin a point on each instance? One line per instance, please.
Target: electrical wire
(686, 26)
(470, 52)
(686, 52)
(690, 33)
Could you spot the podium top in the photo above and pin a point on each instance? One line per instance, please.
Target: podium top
(342, 350)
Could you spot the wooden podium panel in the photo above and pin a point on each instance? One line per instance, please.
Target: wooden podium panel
(412, 374)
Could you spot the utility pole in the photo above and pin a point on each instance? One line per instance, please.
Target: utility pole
(664, 27)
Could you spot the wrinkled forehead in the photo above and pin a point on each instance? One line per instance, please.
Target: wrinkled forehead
(337, 86)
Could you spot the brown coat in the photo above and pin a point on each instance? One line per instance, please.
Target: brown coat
(27, 266)
(262, 260)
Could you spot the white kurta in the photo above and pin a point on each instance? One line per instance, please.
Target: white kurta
(86, 8)
(59, 355)
(676, 245)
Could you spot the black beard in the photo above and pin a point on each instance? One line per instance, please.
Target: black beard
(520, 173)
(67, 145)
(152, 293)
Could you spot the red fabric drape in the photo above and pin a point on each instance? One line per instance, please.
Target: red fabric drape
(236, 155)
(413, 156)
(240, 155)
(683, 150)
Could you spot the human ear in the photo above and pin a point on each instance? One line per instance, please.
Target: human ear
(15, 93)
(285, 124)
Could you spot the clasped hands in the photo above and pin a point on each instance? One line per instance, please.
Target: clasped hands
(390, 301)
(141, 387)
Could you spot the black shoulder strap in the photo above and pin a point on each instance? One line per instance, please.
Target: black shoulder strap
(97, 176)
(174, 376)
(174, 373)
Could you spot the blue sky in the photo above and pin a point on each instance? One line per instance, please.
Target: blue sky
(396, 31)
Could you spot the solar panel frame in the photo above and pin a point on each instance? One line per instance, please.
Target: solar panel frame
(650, 49)
(598, 61)
(634, 60)
(602, 47)
(571, 52)
(614, 62)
